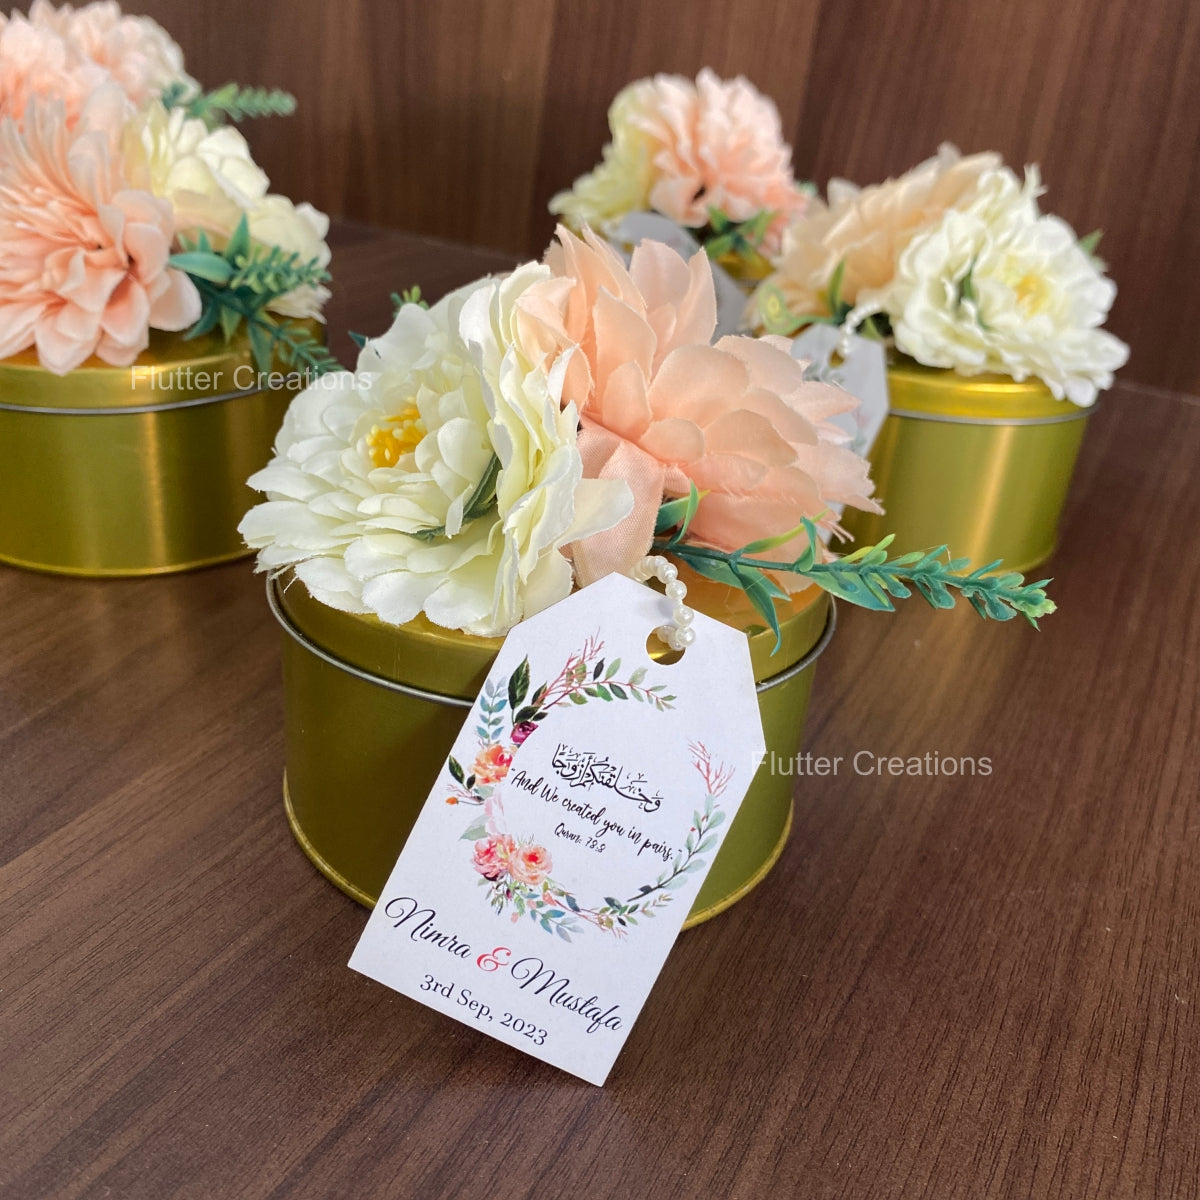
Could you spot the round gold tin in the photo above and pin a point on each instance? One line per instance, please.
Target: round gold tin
(981, 464)
(137, 470)
(372, 710)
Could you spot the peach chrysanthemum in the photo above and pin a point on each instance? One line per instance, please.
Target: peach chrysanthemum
(35, 61)
(83, 257)
(683, 147)
(662, 409)
(137, 52)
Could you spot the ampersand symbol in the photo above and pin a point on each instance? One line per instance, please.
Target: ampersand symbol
(492, 961)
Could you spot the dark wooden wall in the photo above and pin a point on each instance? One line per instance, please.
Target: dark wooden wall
(461, 117)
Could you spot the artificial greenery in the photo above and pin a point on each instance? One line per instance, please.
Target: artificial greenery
(867, 577)
(230, 102)
(236, 286)
(483, 500)
(777, 316)
(966, 285)
(743, 238)
(410, 295)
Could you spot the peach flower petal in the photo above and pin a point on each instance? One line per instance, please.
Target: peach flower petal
(622, 337)
(679, 300)
(83, 259)
(737, 420)
(751, 435)
(698, 382)
(674, 441)
(607, 456)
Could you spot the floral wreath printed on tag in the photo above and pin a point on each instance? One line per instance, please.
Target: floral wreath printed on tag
(516, 871)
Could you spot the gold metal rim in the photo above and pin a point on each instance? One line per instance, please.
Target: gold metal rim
(126, 572)
(358, 895)
(302, 639)
(942, 419)
(340, 664)
(132, 410)
(942, 394)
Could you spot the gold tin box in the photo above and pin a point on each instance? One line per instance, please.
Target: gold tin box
(137, 470)
(981, 464)
(372, 711)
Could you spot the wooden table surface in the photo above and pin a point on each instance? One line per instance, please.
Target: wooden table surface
(947, 987)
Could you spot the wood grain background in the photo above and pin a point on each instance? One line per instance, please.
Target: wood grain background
(461, 119)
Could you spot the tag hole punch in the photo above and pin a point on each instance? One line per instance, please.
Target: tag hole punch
(660, 652)
(666, 644)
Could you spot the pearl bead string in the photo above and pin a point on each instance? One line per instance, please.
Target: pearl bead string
(680, 634)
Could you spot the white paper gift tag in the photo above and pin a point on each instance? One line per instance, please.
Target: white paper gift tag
(635, 227)
(565, 840)
(862, 371)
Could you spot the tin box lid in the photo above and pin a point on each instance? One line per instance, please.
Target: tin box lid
(941, 392)
(171, 370)
(426, 656)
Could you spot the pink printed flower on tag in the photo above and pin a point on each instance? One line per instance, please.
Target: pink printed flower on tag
(531, 865)
(494, 855)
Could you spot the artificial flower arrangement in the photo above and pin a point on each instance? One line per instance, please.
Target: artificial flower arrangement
(145, 265)
(526, 435)
(992, 312)
(957, 266)
(707, 154)
(127, 203)
(535, 432)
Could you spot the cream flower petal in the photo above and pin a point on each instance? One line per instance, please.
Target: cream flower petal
(1035, 301)
(329, 582)
(403, 446)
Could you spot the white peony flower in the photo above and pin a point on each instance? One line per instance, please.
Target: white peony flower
(443, 477)
(864, 230)
(211, 181)
(296, 228)
(996, 286)
(208, 176)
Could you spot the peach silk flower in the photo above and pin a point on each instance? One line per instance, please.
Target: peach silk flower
(136, 52)
(83, 258)
(35, 62)
(718, 143)
(662, 409)
(867, 228)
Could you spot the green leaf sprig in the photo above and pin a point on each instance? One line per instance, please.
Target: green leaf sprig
(743, 238)
(482, 501)
(778, 317)
(866, 577)
(236, 286)
(410, 295)
(229, 102)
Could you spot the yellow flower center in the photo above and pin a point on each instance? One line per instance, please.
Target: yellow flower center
(1031, 292)
(387, 444)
